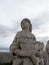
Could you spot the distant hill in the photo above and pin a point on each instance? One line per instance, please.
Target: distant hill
(4, 53)
(5, 57)
(3, 48)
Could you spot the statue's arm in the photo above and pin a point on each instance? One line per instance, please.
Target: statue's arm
(14, 47)
(35, 59)
(24, 53)
(45, 57)
(33, 36)
(14, 44)
(42, 61)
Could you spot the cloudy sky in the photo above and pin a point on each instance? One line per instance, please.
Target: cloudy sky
(13, 11)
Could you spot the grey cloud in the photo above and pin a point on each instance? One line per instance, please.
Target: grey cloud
(40, 20)
(4, 30)
(14, 29)
(36, 23)
(43, 39)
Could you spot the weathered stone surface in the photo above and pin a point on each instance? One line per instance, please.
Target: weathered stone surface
(40, 51)
(27, 61)
(25, 47)
(46, 54)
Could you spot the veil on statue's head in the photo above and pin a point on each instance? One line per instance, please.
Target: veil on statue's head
(27, 20)
(47, 45)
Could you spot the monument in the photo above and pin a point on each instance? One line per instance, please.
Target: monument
(46, 54)
(24, 47)
(40, 51)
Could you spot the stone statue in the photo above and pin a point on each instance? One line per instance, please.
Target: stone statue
(24, 45)
(46, 54)
(40, 52)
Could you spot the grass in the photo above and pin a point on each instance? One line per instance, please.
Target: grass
(1, 57)
(5, 63)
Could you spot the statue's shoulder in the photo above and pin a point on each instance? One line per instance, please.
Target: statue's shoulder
(33, 36)
(18, 34)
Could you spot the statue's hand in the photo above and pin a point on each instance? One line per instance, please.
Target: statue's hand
(19, 52)
(12, 52)
(24, 53)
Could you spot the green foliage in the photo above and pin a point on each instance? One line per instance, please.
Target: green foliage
(1, 57)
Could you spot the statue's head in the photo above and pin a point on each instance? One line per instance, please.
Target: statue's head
(40, 45)
(47, 46)
(26, 23)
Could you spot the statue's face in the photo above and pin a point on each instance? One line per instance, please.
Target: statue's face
(40, 46)
(25, 24)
